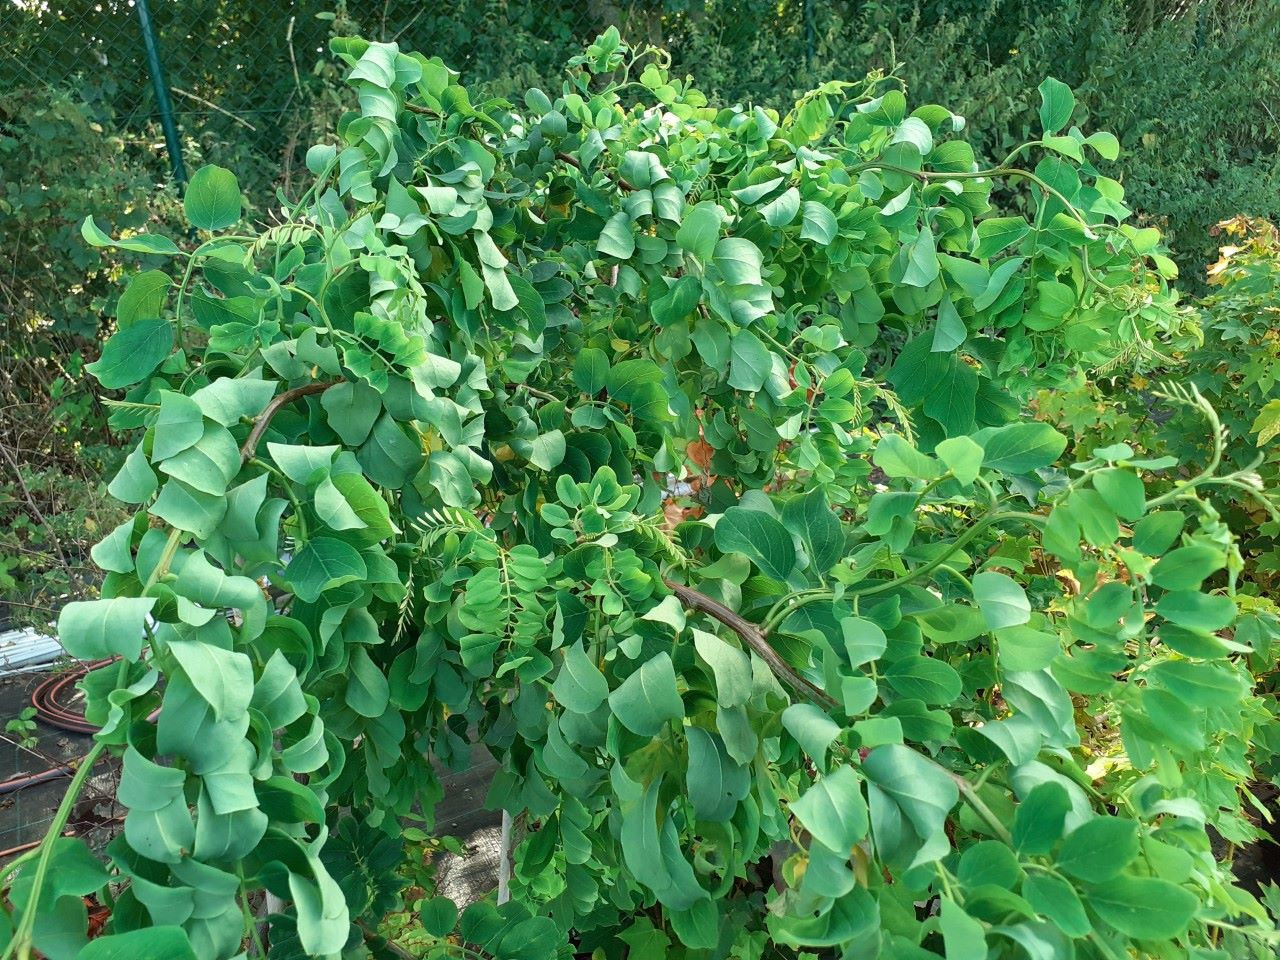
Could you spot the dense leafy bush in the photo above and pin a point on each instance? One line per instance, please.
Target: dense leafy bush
(1187, 91)
(896, 683)
(60, 161)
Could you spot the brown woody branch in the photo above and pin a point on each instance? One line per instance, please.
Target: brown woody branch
(264, 419)
(379, 942)
(753, 637)
(621, 182)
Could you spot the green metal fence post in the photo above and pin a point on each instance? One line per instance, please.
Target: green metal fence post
(808, 33)
(170, 127)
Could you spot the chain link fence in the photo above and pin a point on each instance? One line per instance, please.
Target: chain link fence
(250, 84)
(246, 83)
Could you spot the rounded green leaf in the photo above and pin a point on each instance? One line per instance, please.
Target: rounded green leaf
(1099, 849)
(1145, 908)
(439, 916)
(212, 200)
(758, 536)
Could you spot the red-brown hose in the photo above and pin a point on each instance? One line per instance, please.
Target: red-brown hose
(49, 708)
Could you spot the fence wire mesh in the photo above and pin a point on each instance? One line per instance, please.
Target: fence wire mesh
(248, 81)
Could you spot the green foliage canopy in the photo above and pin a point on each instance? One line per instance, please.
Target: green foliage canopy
(400, 473)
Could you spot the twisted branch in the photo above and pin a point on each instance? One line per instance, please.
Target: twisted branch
(264, 419)
(753, 637)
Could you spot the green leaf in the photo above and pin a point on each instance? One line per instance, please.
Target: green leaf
(190, 510)
(1019, 448)
(989, 861)
(368, 692)
(922, 792)
(963, 937)
(780, 211)
(389, 457)
(210, 464)
(1038, 819)
(333, 509)
(179, 424)
(302, 464)
(759, 537)
(730, 667)
(321, 564)
(439, 916)
(864, 640)
(898, 458)
(749, 362)
(648, 698)
(277, 695)
(1267, 424)
(351, 410)
(1003, 603)
(916, 132)
(149, 943)
(996, 233)
(700, 230)
(924, 678)
(114, 552)
(323, 923)
(1099, 849)
(1052, 897)
(212, 200)
(1145, 908)
(136, 481)
(1122, 491)
(922, 260)
(833, 810)
(638, 384)
(95, 629)
(739, 261)
(617, 238)
(812, 728)
(548, 450)
(715, 783)
(1056, 105)
(223, 678)
(963, 457)
(1195, 610)
(590, 370)
(370, 508)
(819, 223)
(579, 685)
(1105, 143)
(133, 352)
(820, 530)
(139, 243)
(951, 332)
(1186, 567)
(228, 399)
(143, 298)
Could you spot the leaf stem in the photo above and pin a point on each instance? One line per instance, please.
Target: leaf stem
(971, 797)
(20, 945)
(788, 605)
